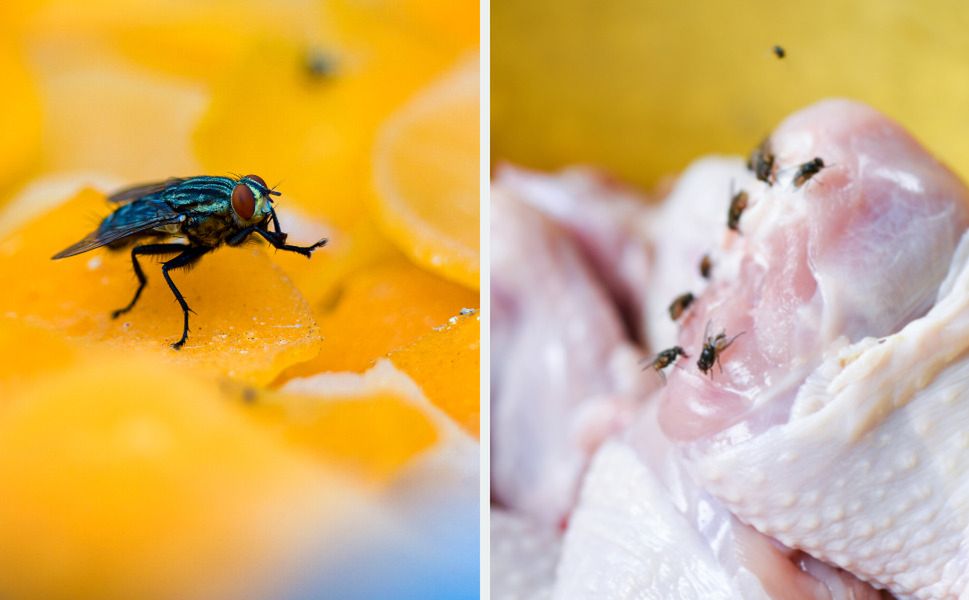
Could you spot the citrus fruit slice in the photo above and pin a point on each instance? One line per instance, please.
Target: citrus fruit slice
(373, 425)
(378, 310)
(445, 363)
(426, 176)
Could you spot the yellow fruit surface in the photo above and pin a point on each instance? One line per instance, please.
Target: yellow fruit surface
(130, 478)
(426, 176)
(379, 310)
(20, 119)
(444, 363)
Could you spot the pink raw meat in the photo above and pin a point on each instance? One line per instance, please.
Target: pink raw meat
(643, 529)
(838, 424)
(564, 375)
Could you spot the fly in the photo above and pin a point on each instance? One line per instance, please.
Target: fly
(705, 266)
(666, 358)
(713, 346)
(761, 162)
(738, 204)
(779, 52)
(204, 212)
(679, 305)
(317, 64)
(807, 171)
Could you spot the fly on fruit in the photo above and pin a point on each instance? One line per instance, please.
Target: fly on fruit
(187, 218)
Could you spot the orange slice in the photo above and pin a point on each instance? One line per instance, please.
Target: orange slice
(250, 321)
(426, 177)
(446, 365)
(379, 310)
(372, 425)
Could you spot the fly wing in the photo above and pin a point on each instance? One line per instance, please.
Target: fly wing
(135, 192)
(132, 218)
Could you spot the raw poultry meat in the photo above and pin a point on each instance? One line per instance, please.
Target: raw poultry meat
(564, 376)
(643, 529)
(835, 426)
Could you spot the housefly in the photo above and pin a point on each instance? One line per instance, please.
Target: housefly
(738, 204)
(705, 266)
(761, 162)
(666, 358)
(713, 346)
(679, 305)
(203, 212)
(807, 170)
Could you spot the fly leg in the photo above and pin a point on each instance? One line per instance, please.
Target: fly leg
(278, 241)
(275, 221)
(147, 249)
(186, 259)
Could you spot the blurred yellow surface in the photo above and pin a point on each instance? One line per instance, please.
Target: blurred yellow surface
(644, 87)
(127, 478)
(311, 133)
(20, 119)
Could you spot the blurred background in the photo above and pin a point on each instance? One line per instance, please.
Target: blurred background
(317, 437)
(641, 88)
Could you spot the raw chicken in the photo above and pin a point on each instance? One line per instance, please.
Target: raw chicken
(523, 557)
(607, 223)
(838, 422)
(615, 545)
(644, 530)
(564, 375)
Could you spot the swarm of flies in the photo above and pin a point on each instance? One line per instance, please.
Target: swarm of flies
(763, 165)
(187, 218)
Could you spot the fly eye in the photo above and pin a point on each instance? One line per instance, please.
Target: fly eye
(243, 202)
(258, 180)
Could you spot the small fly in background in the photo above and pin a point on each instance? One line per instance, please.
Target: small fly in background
(204, 212)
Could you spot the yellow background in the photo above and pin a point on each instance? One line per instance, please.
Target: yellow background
(642, 87)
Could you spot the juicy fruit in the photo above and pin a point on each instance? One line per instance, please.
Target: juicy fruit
(426, 177)
(379, 310)
(445, 364)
